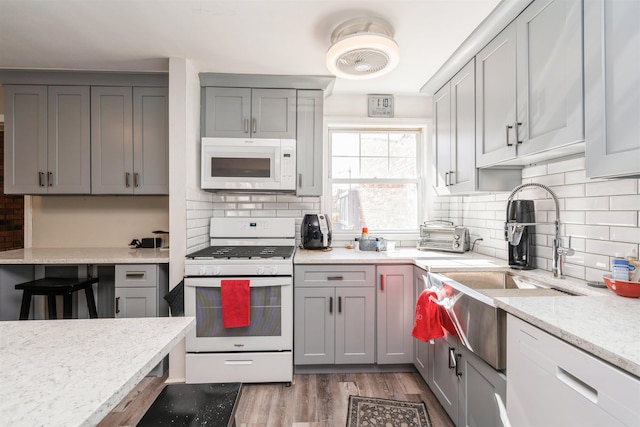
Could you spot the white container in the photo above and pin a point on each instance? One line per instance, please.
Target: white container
(619, 268)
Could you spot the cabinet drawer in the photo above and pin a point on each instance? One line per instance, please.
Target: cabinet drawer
(574, 382)
(334, 275)
(238, 367)
(136, 275)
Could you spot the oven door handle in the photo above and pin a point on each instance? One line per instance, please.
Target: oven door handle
(254, 282)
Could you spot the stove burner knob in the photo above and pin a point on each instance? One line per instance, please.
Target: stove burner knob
(216, 271)
(274, 270)
(260, 270)
(203, 271)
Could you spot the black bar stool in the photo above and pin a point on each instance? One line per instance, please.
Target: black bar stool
(51, 287)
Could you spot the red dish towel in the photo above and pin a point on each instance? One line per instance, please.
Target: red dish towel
(235, 296)
(427, 324)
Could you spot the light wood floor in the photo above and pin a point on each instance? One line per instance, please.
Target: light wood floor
(313, 400)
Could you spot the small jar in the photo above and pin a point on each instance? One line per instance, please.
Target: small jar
(356, 244)
(620, 268)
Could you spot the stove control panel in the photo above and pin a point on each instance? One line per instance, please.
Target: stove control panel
(247, 269)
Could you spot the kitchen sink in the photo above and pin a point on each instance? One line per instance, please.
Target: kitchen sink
(467, 297)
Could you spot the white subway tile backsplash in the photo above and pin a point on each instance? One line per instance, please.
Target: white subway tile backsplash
(263, 213)
(608, 188)
(237, 198)
(568, 165)
(249, 206)
(601, 247)
(263, 198)
(625, 234)
(587, 204)
(573, 217)
(538, 170)
(587, 231)
(224, 206)
(574, 190)
(549, 180)
(289, 214)
(625, 203)
(618, 218)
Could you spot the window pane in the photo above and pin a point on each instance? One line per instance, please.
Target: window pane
(402, 145)
(402, 167)
(377, 206)
(375, 144)
(345, 144)
(345, 167)
(375, 167)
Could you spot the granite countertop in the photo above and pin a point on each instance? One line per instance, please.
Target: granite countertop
(84, 256)
(596, 321)
(606, 327)
(45, 382)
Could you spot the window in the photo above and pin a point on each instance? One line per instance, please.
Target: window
(374, 178)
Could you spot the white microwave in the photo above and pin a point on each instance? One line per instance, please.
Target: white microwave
(248, 164)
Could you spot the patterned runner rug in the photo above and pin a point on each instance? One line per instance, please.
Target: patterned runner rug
(368, 411)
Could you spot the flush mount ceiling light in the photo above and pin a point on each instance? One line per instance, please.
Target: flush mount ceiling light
(362, 48)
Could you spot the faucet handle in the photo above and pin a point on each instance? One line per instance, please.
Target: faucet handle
(566, 250)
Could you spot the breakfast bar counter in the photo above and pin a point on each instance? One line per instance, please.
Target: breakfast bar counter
(73, 372)
(37, 256)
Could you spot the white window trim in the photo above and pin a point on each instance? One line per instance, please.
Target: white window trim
(424, 126)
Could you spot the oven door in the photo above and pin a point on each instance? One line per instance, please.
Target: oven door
(271, 316)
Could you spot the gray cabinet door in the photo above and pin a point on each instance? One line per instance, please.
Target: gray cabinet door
(135, 302)
(395, 310)
(442, 137)
(150, 140)
(463, 130)
(478, 384)
(111, 140)
(442, 375)
(69, 140)
(355, 325)
(227, 112)
(420, 348)
(496, 126)
(25, 141)
(314, 327)
(273, 113)
(309, 142)
(612, 88)
(549, 73)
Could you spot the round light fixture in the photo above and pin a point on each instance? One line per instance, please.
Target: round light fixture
(362, 48)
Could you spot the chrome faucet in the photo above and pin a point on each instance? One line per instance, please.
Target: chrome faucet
(513, 230)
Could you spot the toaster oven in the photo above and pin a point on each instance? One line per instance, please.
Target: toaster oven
(443, 236)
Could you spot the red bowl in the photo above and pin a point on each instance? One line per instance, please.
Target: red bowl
(623, 287)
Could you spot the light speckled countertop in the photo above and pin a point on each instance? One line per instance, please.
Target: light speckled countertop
(84, 256)
(73, 372)
(598, 321)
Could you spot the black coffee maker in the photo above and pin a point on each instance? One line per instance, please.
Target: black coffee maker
(520, 237)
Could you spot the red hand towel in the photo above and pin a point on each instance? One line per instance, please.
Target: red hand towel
(445, 321)
(427, 319)
(235, 296)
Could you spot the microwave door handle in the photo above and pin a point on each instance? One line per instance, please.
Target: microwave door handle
(277, 165)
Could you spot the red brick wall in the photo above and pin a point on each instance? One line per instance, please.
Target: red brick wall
(11, 212)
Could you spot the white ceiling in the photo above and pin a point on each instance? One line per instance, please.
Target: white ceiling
(230, 36)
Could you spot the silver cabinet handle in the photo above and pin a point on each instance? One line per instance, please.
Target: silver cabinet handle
(508, 143)
(127, 177)
(299, 180)
(451, 178)
(339, 304)
(517, 126)
(134, 275)
(50, 179)
(330, 305)
(136, 179)
(117, 305)
(41, 179)
(452, 358)
(457, 363)
(246, 125)
(255, 125)
(335, 277)
(446, 179)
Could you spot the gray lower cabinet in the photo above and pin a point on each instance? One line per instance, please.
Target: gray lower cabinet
(47, 140)
(395, 309)
(129, 140)
(230, 112)
(612, 88)
(464, 384)
(334, 314)
(309, 142)
(139, 290)
(420, 348)
(529, 87)
(552, 383)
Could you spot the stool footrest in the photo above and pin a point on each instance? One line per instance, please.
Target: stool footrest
(52, 286)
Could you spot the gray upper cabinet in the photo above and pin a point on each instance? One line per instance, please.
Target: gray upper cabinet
(47, 142)
(454, 112)
(549, 70)
(249, 113)
(309, 142)
(129, 140)
(612, 88)
(529, 87)
(496, 99)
